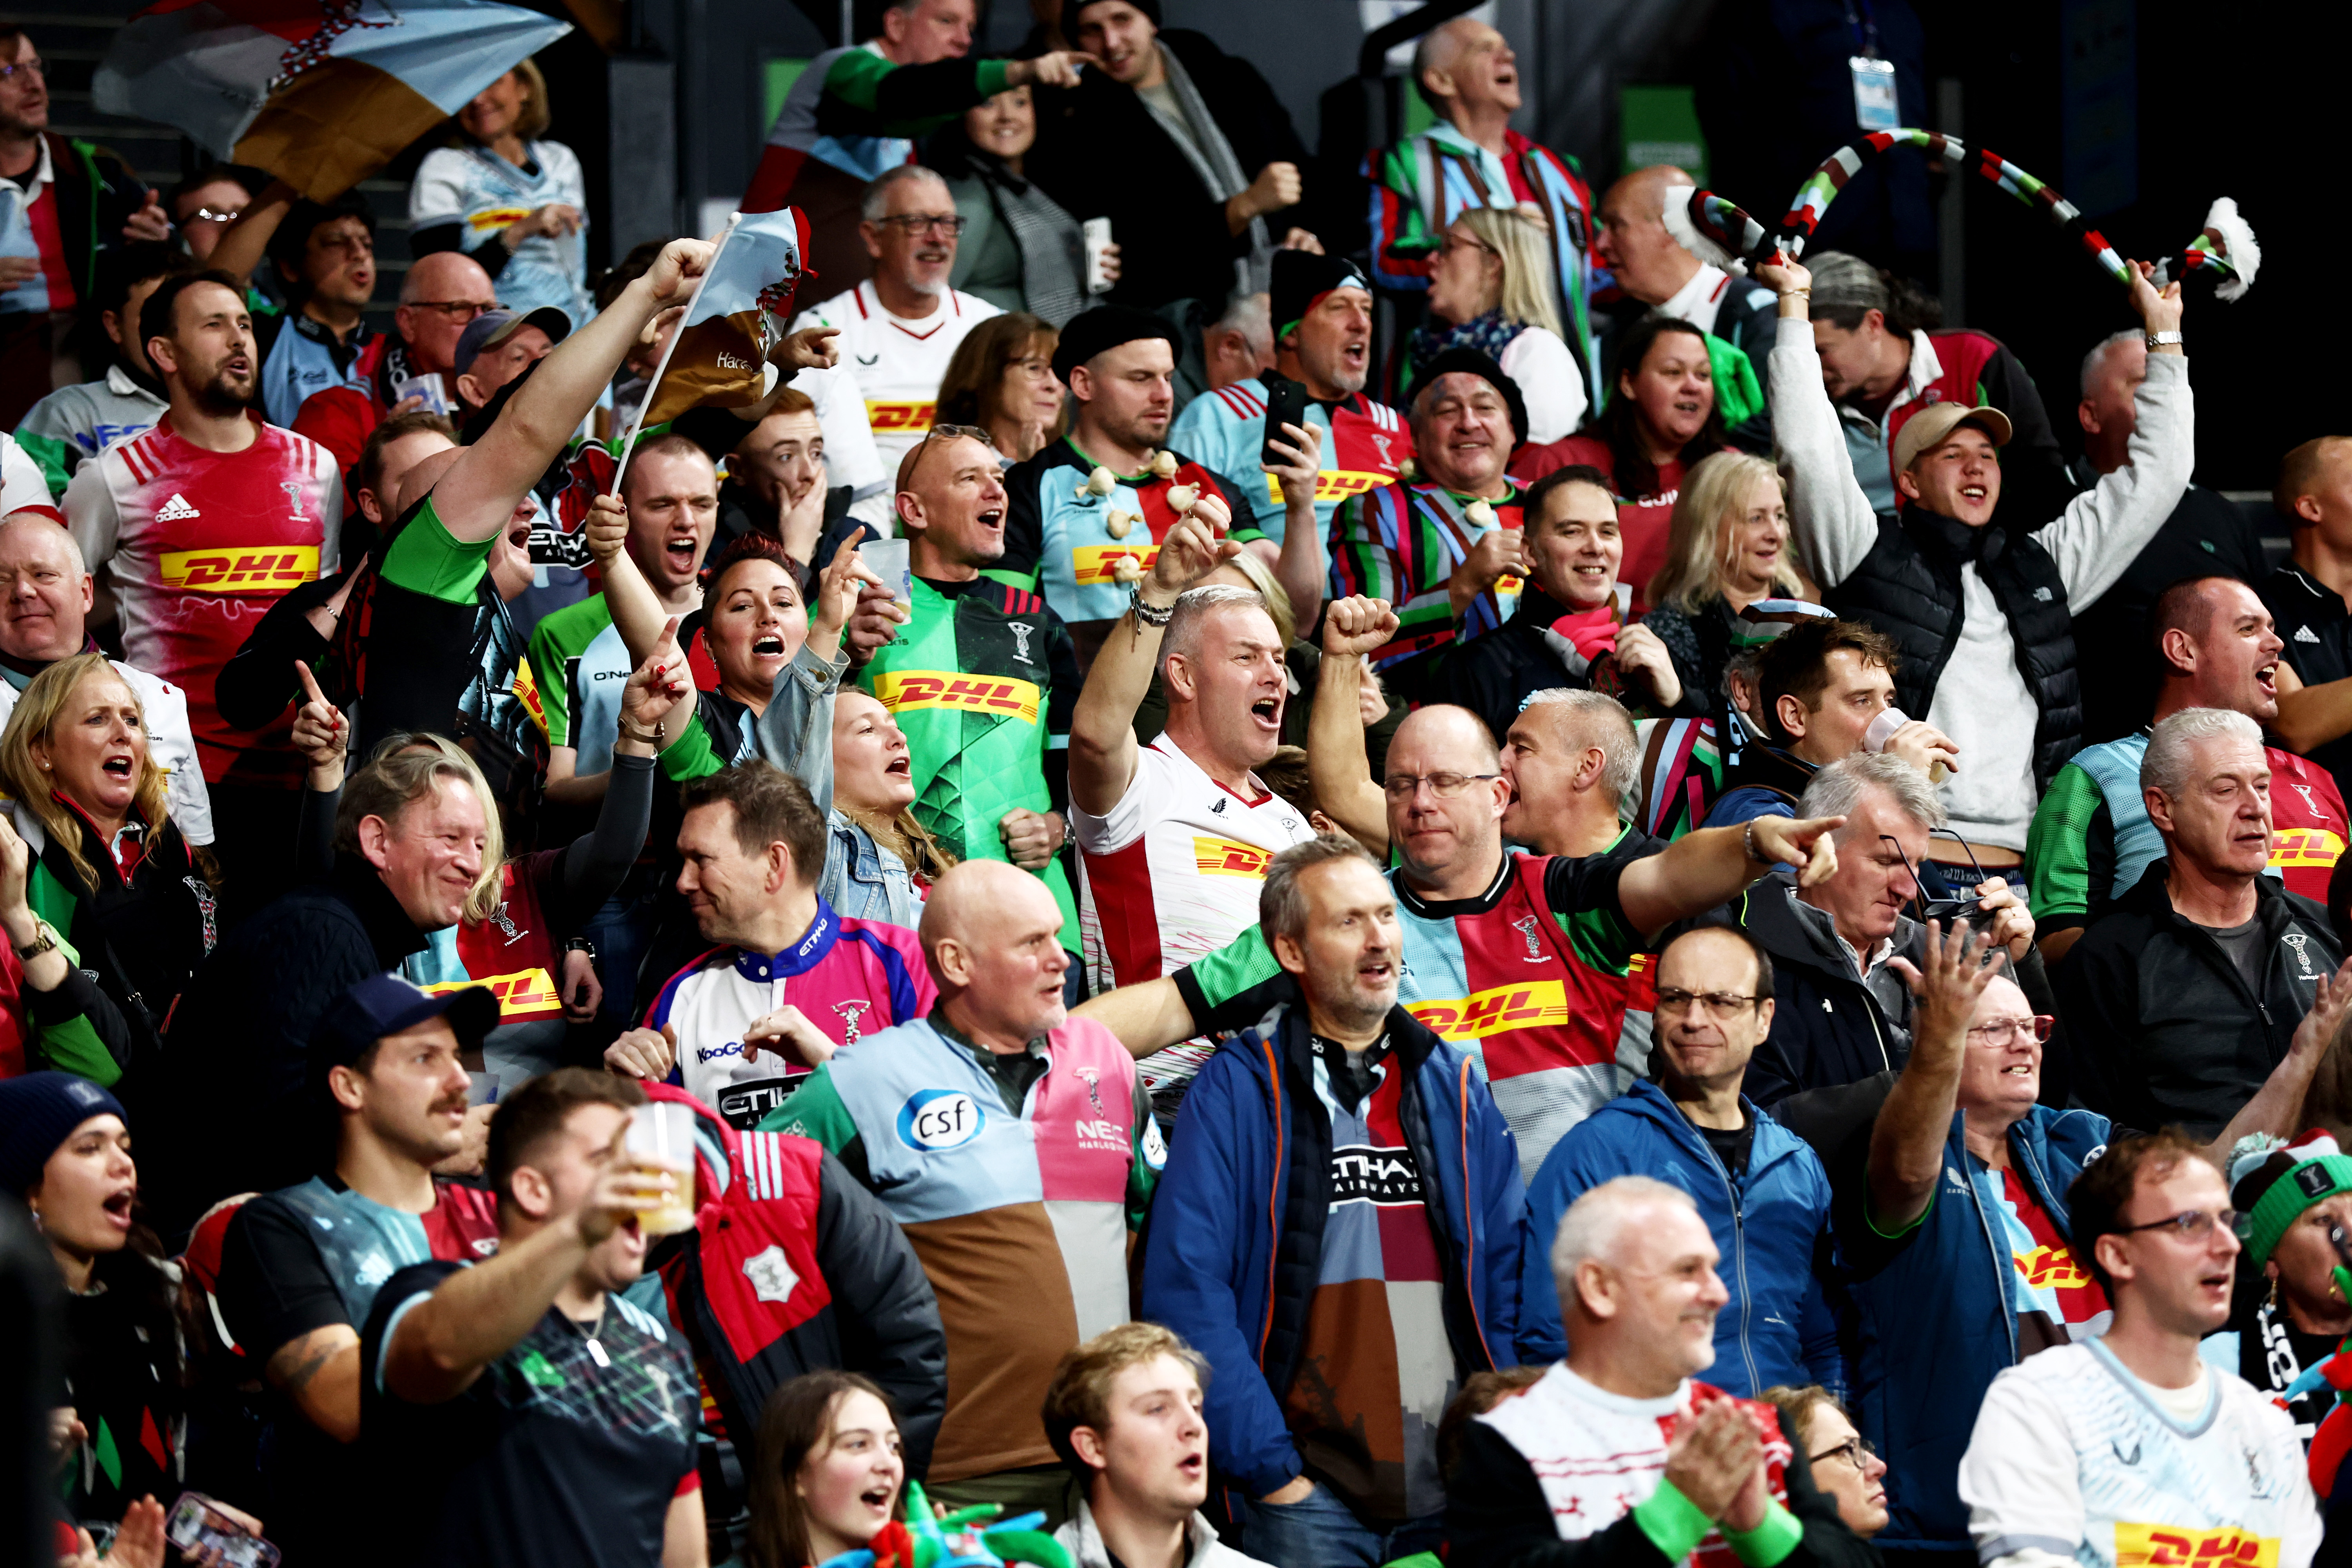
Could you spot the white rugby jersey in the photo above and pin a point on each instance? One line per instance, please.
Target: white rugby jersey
(201, 543)
(2072, 1457)
(1172, 873)
(896, 364)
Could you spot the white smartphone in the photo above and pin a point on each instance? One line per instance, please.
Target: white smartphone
(1096, 235)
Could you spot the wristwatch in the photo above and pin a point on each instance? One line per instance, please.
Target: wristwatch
(44, 941)
(582, 944)
(2157, 340)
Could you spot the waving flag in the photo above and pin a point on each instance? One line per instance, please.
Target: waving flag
(321, 93)
(718, 357)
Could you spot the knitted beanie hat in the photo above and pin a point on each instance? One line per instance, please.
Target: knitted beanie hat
(1301, 279)
(1151, 8)
(2272, 1183)
(38, 1112)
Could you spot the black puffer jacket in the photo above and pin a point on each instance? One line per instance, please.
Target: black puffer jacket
(1909, 586)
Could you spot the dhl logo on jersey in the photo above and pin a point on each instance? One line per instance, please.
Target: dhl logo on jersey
(526, 993)
(900, 690)
(2312, 847)
(2164, 1546)
(1496, 1012)
(898, 418)
(1330, 485)
(241, 568)
(1224, 857)
(1093, 563)
(2051, 1268)
(497, 217)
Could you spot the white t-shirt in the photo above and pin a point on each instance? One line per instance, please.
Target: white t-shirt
(2075, 1460)
(895, 363)
(1548, 380)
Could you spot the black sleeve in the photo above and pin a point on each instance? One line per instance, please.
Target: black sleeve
(258, 682)
(417, 1278)
(314, 833)
(1674, 629)
(78, 996)
(928, 91)
(1575, 883)
(1497, 1516)
(1024, 527)
(887, 1316)
(493, 254)
(1061, 706)
(2099, 842)
(274, 1286)
(2096, 1002)
(596, 863)
(1828, 1543)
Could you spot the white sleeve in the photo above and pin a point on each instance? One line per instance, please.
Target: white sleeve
(1830, 515)
(1548, 380)
(563, 163)
(2304, 1526)
(1124, 823)
(437, 195)
(850, 455)
(173, 746)
(2100, 533)
(90, 513)
(331, 531)
(2020, 1477)
(21, 484)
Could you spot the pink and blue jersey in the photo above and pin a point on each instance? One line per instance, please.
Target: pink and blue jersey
(849, 977)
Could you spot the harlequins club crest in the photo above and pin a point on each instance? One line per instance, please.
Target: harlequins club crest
(1021, 631)
(851, 1012)
(772, 1276)
(1527, 928)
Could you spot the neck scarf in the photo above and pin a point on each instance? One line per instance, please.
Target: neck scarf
(1214, 161)
(1490, 334)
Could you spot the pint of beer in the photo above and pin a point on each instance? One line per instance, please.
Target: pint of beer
(661, 1135)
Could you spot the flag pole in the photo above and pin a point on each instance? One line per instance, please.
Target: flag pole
(637, 424)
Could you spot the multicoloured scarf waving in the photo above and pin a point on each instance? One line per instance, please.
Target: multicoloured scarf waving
(1719, 232)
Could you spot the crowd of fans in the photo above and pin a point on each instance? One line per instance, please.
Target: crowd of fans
(1625, 924)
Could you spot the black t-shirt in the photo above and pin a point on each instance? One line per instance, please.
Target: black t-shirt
(566, 1451)
(1731, 1143)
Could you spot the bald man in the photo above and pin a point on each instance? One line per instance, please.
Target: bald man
(1654, 272)
(2308, 598)
(440, 294)
(1472, 157)
(1016, 1146)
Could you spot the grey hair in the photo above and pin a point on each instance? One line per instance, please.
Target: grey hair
(1195, 606)
(63, 536)
(877, 194)
(1252, 315)
(2098, 356)
(1281, 907)
(2166, 765)
(1837, 789)
(1596, 719)
(1589, 1229)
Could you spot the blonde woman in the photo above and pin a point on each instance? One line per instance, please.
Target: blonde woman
(1727, 547)
(1491, 288)
(510, 199)
(108, 908)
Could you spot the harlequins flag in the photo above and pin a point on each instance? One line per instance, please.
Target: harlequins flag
(719, 356)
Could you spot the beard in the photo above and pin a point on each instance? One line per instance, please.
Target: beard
(223, 394)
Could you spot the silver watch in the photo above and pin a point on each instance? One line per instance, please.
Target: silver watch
(2157, 340)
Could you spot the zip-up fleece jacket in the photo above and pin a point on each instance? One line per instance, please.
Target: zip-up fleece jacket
(1828, 1027)
(1231, 1256)
(1767, 1224)
(1935, 1317)
(2164, 1029)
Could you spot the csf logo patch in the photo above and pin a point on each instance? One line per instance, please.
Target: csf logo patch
(526, 993)
(1224, 857)
(902, 689)
(898, 418)
(934, 1120)
(1096, 564)
(1496, 1012)
(2164, 1546)
(1330, 485)
(241, 568)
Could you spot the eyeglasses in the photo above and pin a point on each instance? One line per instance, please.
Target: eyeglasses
(1854, 1451)
(1444, 787)
(2000, 1031)
(8, 73)
(206, 214)
(916, 224)
(1467, 242)
(1673, 1004)
(456, 310)
(2195, 1225)
(953, 433)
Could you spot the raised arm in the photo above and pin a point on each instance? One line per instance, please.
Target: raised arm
(2278, 1107)
(478, 494)
(1103, 749)
(1702, 869)
(1906, 1143)
(243, 244)
(1336, 763)
(1832, 518)
(1300, 567)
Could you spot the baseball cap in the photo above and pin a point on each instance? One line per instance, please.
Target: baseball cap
(491, 328)
(385, 1005)
(1933, 425)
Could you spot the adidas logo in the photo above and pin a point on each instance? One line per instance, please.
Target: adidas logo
(2305, 633)
(176, 509)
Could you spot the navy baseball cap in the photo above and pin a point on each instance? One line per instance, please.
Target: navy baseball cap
(385, 1005)
(491, 328)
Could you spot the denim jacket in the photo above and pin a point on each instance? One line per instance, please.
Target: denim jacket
(861, 879)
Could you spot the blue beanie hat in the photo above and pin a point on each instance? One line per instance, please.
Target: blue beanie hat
(38, 1112)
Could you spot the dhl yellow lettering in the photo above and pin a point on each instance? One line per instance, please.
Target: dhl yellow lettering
(526, 993)
(1496, 1011)
(497, 217)
(1332, 485)
(1224, 857)
(2051, 1268)
(901, 690)
(2314, 847)
(2169, 1546)
(898, 418)
(240, 569)
(1095, 563)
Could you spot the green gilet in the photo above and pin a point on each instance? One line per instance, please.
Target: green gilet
(966, 682)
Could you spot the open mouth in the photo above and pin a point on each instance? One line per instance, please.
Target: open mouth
(1357, 354)
(902, 768)
(680, 552)
(2267, 678)
(878, 1498)
(2022, 1070)
(770, 646)
(1193, 1466)
(117, 1206)
(116, 767)
(1267, 710)
(1378, 970)
(1687, 406)
(1972, 492)
(992, 519)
